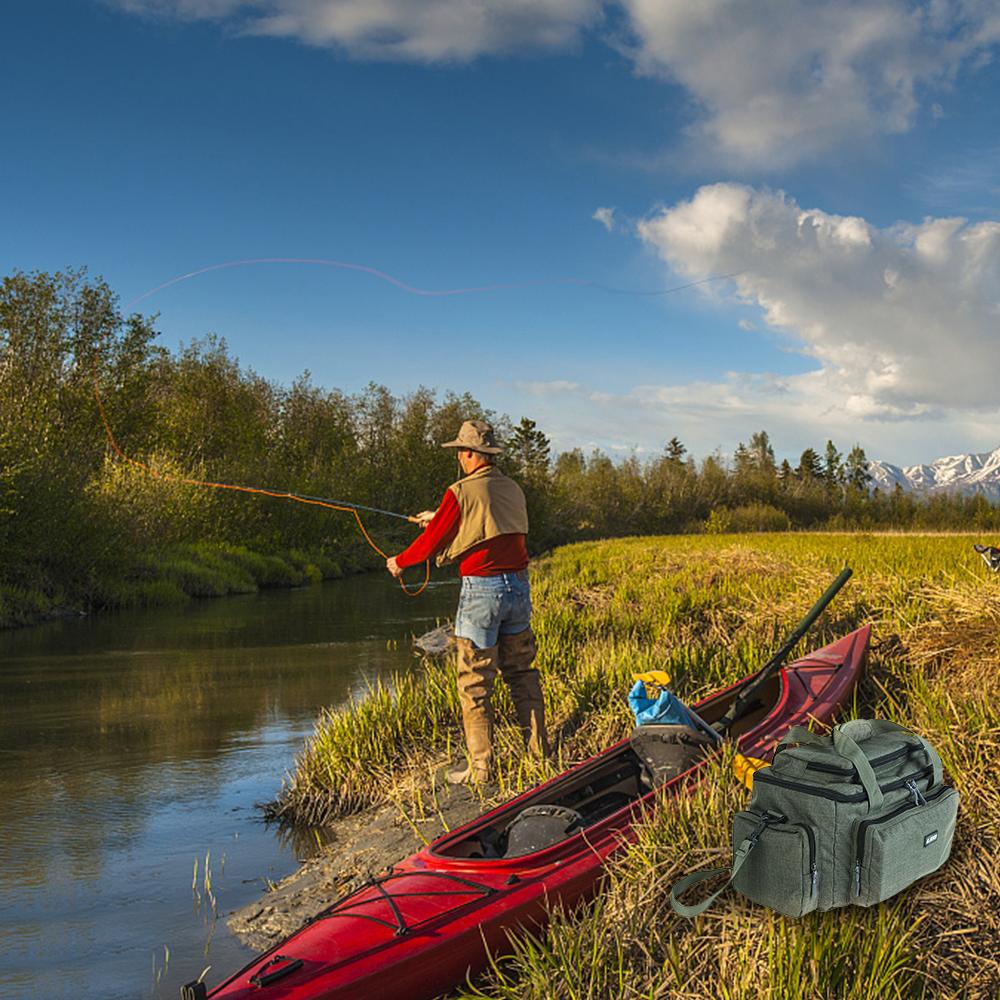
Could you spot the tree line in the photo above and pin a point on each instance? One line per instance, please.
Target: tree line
(73, 516)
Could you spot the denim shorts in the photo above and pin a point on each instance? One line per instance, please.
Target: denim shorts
(491, 606)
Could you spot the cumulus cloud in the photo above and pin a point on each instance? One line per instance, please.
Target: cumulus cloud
(409, 30)
(606, 217)
(772, 82)
(903, 321)
(777, 81)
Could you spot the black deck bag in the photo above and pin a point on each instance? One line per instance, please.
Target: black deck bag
(667, 750)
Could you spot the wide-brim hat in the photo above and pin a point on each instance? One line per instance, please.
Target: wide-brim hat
(475, 435)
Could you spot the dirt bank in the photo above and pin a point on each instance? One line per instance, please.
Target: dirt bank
(361, 845)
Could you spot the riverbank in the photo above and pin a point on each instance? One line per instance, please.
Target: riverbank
(178, 574)
(708, 609)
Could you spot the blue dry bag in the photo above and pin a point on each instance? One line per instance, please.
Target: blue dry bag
(664, 710)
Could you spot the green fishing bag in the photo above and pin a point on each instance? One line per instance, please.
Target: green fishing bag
(846, 819)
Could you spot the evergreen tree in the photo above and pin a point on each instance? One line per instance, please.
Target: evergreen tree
(856, 469)
(809, 466)
(528, 449)
(675, 451)
(833, 469)
(742, 460)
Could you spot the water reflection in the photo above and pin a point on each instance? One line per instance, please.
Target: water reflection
(132, 744)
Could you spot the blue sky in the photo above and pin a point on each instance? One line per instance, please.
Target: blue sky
(823, 152)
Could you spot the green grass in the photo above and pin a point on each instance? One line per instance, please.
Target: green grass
(177, 574)
(709, 609)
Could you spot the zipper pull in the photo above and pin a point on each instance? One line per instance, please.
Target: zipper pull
(857, 877)
(815, 878)
(918, 799)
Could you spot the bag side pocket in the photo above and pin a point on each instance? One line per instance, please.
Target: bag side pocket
(781, 872)
(903, 845)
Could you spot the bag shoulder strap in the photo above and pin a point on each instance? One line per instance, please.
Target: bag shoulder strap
(739, 860)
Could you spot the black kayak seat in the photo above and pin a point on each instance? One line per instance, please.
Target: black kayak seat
(538, 827)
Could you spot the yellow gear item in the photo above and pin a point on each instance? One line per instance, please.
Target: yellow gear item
(746, 767)
(657, 678)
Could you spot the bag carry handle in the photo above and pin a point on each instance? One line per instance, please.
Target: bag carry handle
(739, 860)
(849, 750)
(863, 729)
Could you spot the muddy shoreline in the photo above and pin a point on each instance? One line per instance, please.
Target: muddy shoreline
(362, 845)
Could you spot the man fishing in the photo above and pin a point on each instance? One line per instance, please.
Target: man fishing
(481, 524)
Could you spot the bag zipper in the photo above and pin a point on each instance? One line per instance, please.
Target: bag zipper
(813, 873)
(764, 776)
(918, 800)
(902, 751)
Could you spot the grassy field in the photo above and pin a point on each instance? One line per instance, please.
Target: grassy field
(709, 609)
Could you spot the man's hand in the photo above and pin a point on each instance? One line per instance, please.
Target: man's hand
(393, 567)
(425, 517)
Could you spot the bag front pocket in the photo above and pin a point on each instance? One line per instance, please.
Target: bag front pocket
(780, 871)
(897, 848)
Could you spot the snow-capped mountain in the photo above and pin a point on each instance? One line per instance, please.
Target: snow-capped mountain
(953, 474)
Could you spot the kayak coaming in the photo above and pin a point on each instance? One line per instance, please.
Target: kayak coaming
(364, 957)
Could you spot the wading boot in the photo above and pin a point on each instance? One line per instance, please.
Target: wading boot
(477, 669)
(517, 657)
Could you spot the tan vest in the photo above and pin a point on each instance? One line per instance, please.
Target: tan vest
(491, 504)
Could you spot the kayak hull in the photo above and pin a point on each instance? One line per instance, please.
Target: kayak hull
(434, 919)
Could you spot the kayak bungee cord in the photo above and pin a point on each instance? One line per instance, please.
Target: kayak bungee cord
(352, 508)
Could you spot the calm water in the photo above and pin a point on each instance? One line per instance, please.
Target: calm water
(133, 744)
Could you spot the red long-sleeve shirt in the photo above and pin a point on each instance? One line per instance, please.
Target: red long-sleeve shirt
(503, 554)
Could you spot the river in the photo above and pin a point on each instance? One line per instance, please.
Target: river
(134, 746)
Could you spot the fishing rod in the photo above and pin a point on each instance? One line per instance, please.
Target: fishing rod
(743, 696)
(338, 504)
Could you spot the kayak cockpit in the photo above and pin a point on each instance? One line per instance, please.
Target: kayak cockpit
(605, 785)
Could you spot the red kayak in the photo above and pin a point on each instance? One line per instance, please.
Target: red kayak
(425, 925)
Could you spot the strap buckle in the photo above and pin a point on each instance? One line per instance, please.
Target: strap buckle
(766, 820)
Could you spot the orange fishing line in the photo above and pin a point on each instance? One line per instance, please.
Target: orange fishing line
(169, 477)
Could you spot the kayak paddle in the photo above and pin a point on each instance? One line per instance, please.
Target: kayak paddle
(743, 696)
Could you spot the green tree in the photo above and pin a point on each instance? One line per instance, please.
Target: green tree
(856, 469)
(528, 450)
(675, 451)
(809, 466)
(833, 468)
(761, 452)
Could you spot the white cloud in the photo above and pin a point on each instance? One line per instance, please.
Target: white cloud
(902, 321)
(778, 81)
(548, 388)
(772, 82)
(606, 217)
(409, 30)
(798, 411)
(903, 324)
